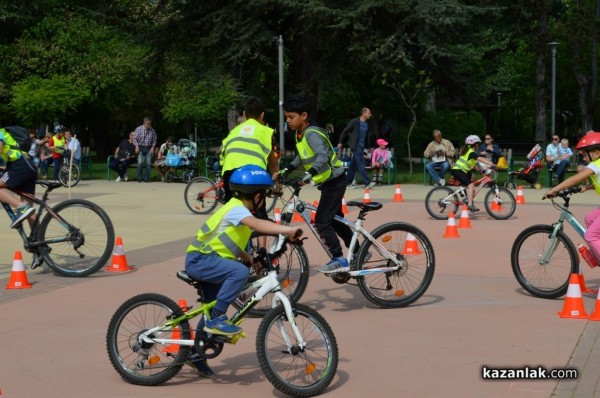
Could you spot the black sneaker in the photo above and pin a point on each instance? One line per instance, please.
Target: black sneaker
(37, 261)
(21, 214)
(472, 208)
(200, 366)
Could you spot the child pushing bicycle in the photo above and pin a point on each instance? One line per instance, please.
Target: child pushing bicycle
(589, 148)
(213, 256)
(466, 162)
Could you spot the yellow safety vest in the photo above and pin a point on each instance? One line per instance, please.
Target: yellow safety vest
(10, 150)
(595, 179)
(229, 243)
(464, 163)
(307, 155)
(248, 143)
(59, 142)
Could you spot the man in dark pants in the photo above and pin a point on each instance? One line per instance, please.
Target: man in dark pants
(323, 168)
(356, 135)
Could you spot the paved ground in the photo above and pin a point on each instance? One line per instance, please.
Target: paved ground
(473, 314)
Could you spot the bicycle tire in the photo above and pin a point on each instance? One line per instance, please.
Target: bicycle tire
(201, 195)
(63, 175)
(434, 205)
(293, 274)
(145, 364)
(547, 281)
(303, 372)
(406, 285)
(507, 207)
(91, 238)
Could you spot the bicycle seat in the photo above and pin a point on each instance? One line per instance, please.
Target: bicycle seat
(49, 184)
(366, 206)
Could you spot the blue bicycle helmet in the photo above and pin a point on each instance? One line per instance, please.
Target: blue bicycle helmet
(250, 179)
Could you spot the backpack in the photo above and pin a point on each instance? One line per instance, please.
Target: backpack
(20, 135)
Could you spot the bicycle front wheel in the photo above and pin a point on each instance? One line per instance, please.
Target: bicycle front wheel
(292, 368)
(501, 206)
(292, 272)
(404, 286)
(439, 202)
(202, 195)
(79, 241)
(63, 175)
(142, 363)
(544, 278)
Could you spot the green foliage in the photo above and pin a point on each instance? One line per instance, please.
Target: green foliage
(454, 125)
(36, 99)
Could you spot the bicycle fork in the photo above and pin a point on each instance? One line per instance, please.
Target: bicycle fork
(552, 246)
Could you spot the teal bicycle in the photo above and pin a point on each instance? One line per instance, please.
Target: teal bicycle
(149, 337)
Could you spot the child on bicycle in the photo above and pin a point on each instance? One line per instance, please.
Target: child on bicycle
(589, 148)
(466, 162)
(213, 255)
(324, 168)
(20, 174)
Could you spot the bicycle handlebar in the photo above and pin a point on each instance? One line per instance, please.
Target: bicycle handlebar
(262, 252)
(569, 191)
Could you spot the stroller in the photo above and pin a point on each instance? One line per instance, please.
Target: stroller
(184, 166)
(530, 171)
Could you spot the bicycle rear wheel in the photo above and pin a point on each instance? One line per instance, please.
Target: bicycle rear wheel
(292, 269)
(402, 287)
(63, 175)
(146, 364)
(295, 370)
(549, 280)
(86, 241)
(501, 206)
(439, 203)
(202, 195)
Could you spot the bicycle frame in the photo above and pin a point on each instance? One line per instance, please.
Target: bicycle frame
(565, 215)
(304, 210)
(264, 285)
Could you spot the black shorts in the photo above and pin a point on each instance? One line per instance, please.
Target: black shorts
(462, 177)
(20, 175)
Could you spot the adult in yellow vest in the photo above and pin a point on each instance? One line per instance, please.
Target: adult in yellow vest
(589, 147)
(212, 257)
(19, 173)
(323, 168)
(466, 162)
(57, 144)
(250, 142)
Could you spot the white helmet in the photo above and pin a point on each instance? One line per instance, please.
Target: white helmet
(472, 140)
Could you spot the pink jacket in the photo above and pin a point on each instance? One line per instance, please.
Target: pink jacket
(380, 153)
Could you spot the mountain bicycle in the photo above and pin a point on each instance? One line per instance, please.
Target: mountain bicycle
(499, 202)
(75, 237)
(68, 172)
(543, 256)
(149, 338)
(202, 195)
(394, 264)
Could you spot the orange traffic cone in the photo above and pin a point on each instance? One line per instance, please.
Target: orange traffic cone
(344, 206)
(582, 286)
(292, 207)
(451, 229)
(277, 215)
(465, 221)
(520, 198)
(367, 197)
(313, 212)
(176, 333)
(573, 307)
(18, 276)
(595, 315)
(496, 206)
(398, 195)
(411, 246)
(119, 261)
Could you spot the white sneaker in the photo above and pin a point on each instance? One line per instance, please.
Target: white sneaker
(441, 182)
(118, 179)
(371, 185)
(125, 178)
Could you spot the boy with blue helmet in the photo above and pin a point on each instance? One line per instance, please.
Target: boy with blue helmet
(213, 255)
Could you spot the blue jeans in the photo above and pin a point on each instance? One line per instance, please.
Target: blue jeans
(56, 164)
(222, 279)
(357, 164)
(144, 174)
(444, 167)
